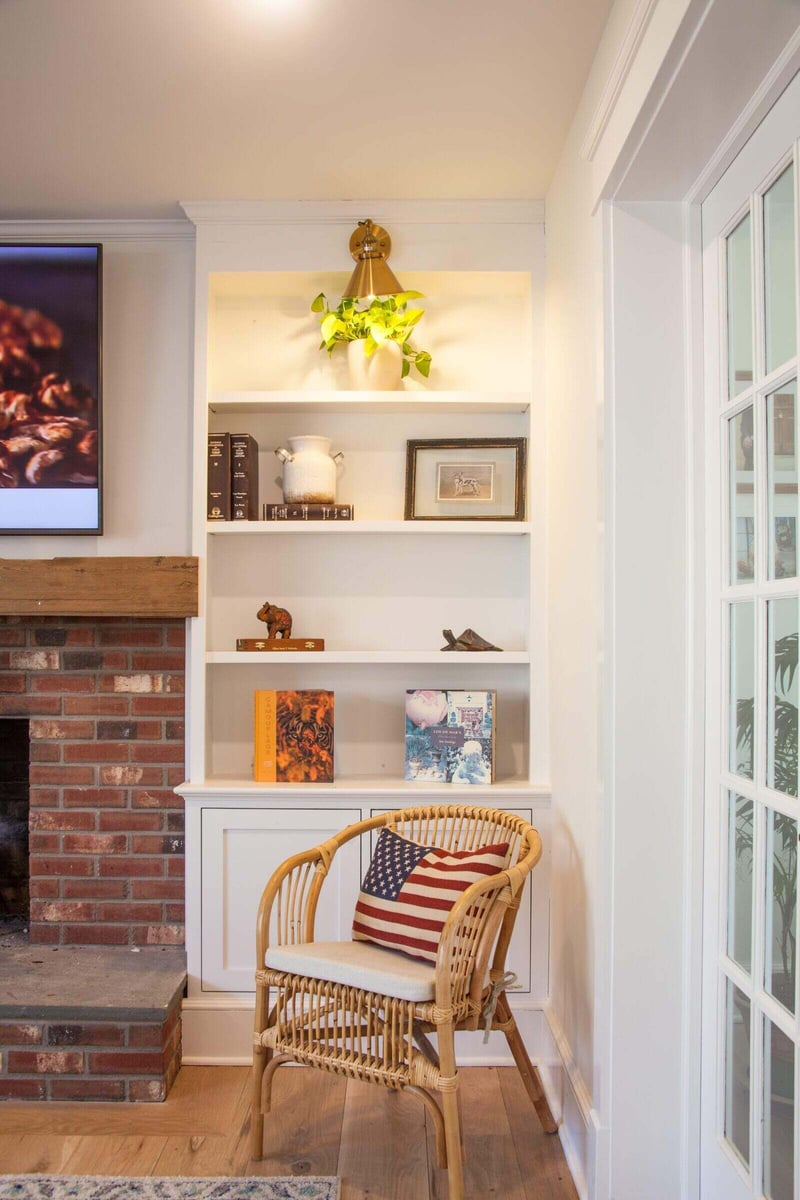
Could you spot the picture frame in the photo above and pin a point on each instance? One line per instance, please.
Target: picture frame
(465, 479)
(51, 304)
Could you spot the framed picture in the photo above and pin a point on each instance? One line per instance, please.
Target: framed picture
(50, 378)
(465, 479)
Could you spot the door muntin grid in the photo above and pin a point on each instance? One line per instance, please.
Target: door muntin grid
(760, 594)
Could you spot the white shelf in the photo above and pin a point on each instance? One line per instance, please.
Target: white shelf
(497, 528)
(363, 787)
(373, 402)
(367, 657)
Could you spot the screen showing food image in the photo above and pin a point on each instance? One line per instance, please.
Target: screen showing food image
(50, 427)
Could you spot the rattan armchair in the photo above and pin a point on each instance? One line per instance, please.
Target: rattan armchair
(374, 1025)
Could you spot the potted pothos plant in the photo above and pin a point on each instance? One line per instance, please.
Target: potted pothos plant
(383, 327)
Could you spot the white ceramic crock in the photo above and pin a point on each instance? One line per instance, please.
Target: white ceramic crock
(309, 470)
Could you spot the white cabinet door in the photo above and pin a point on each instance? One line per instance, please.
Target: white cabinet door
(241, 848)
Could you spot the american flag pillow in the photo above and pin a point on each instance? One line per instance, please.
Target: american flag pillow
(409, 890)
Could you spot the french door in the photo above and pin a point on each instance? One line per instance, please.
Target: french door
(750, 1080)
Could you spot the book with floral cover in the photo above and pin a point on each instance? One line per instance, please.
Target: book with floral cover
(450, 736)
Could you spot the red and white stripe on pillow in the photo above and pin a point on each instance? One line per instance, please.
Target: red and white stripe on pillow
(409, 890)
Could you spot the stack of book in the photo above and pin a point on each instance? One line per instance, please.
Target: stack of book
(232, 477)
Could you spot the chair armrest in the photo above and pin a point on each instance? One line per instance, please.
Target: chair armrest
(467, 935)
(289, 900)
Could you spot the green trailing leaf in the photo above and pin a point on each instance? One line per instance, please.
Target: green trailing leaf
(423, 363)
(328, 326)
(385, 319)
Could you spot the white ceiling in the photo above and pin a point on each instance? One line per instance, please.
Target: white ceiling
(120, 108)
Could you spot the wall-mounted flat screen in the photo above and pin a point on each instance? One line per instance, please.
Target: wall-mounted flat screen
(50, 411)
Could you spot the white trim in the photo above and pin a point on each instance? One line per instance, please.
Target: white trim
(620, 69)
(572, 1072)
(694, 450)
(774, 82)
(98, 231)
(573, 1162)
(648, 114)
(349, 212)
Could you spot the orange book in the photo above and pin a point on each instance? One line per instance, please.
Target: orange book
(265, 748)
(294, 737)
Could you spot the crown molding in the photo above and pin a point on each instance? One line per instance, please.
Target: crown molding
(348, 212)
(620, 69)
(766, 94)
(87, 230)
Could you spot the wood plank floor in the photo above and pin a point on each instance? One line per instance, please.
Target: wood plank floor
(379, 1142)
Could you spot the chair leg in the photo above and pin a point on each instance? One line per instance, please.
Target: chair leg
(529, 1073)
(260, 1058)
(450, 1109)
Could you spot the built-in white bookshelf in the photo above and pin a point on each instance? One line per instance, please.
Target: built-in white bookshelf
(379, 589)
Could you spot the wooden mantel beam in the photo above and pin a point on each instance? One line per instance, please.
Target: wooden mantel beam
(99, 587)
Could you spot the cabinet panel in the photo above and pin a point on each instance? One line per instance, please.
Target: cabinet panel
(240, 850)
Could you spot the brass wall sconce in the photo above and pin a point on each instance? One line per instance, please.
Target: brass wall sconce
(370, 246)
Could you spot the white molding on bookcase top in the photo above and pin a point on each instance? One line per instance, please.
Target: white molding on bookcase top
(224, 792)
(401, 400)
(329, 528)
(634, 34)
(348, 212)
(97, 231)
(504, 658)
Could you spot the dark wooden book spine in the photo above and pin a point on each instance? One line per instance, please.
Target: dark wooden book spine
(244, 477)
(219, 477)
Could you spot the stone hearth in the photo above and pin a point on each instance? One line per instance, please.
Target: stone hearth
(89, 1023)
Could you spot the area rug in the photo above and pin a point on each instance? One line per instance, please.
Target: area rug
(115, 1187)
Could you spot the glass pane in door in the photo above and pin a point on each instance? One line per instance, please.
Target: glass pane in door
(740, 309)
(737, 1070)
(740, 880)
(782, 687)
(779, 1110)
(780, 314)
(742, 688)
(742, 489)
(782, 480)
(780, 941)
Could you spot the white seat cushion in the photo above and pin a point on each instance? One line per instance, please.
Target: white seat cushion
(358, 964)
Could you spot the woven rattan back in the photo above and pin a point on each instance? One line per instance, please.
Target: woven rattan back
(460, 827)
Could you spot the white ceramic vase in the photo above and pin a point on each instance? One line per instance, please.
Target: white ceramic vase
(380, 372)
(309, 470)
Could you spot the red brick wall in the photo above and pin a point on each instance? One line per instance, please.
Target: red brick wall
(89, 1060)
(105, 700)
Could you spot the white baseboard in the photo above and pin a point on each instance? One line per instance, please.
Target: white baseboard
(570, 1100)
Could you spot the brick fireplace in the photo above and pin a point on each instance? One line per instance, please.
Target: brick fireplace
(90, 999)
(105, 703)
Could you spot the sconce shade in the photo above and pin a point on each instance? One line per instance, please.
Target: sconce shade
(370, 246)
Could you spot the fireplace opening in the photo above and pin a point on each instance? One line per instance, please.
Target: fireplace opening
(14, 808)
